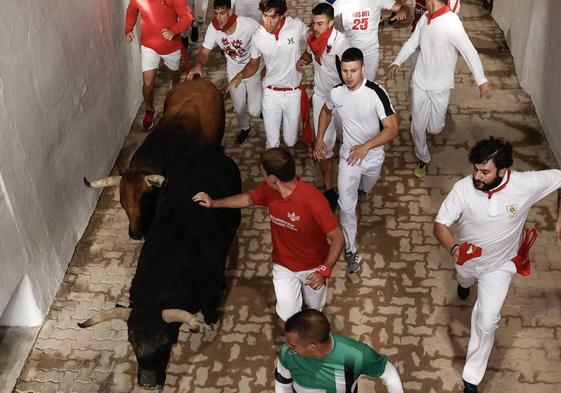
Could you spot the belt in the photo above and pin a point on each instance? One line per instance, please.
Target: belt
(274, 88)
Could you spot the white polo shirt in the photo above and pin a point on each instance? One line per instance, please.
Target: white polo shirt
(361, 112)
(326, 76)
(439, 41)
(360, 20)
(495, 223)
(280, 56)
(235, 46)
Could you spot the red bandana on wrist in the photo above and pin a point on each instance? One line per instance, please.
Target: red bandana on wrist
(228, 24)
(436, 14)
(318, 44)
(281, 24)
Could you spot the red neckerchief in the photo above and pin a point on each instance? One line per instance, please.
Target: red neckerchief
(318, 44)
(499, 188)
(281, 24)
(228, 24)
(438, 13)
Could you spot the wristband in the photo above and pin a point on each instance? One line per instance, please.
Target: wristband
(454, 248)
(324, 271)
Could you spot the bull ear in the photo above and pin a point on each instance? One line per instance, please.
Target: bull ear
(154, 180)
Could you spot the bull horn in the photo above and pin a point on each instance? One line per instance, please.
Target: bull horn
(176, 315)
(154, 180)
(103, 316)
(105, 182)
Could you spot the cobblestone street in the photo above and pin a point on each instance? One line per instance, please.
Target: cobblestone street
(405, 304)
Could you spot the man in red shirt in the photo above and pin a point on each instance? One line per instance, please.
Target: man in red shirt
(307, 239)
(161, 22)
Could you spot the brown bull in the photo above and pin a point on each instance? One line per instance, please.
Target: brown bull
(193, 118)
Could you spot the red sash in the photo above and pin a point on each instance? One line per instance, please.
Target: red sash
(318, 44)
(468, 251)
(305, 113)
(522, 259)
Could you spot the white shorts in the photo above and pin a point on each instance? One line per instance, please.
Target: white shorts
(289, 288)
(151, 59)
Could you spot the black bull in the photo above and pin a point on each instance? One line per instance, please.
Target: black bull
(181, 264)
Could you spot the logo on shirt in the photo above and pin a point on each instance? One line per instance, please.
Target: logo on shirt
(512, 210)
(290, 40)
(293, 217)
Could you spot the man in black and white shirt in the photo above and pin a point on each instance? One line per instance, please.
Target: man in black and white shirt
(369, 122)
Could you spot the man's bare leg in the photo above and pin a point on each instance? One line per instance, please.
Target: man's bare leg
(174, 78)
(148, 77)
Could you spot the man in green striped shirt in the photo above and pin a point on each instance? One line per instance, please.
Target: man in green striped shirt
(316, 361)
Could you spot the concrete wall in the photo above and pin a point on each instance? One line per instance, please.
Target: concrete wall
(69, 88)
(533, 32)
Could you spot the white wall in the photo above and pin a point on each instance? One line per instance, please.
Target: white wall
(70, 87)
(533, 32)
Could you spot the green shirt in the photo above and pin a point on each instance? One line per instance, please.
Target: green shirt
(336, 372)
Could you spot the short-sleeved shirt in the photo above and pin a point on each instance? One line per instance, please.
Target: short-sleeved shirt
(338, 371)
(235, 46)
(495, 222)
(361, 112)
(299, 225)
(326, 75)
(360, 21)
(280, 56)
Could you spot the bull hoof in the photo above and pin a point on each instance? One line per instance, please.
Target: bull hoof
(211, 331)
(87, 183)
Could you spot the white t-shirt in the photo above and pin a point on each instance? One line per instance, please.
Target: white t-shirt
(495, 224)
(280, 56)
(360, 20)
(249, 8)
(326, 76)
(361, 112)
(235, 46)
(439, 41)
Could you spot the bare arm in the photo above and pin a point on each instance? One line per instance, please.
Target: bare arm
(304, 60)
(248, 71)
(389, 132)
(235, 201)
(202, 59)
(336, 244)
(320, 148)
(445, 238)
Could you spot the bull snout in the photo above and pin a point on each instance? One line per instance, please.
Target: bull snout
(135, 234)
(151, 379)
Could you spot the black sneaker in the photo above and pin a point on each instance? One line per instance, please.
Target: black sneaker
(469, 387)
(194, 33)
(332, 197)
(243, 136)
(463, 294)
(362, 195)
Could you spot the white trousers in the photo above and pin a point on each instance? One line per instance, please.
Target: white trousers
(290, 287)
(329, 136)
(281, 107)
(350, 179)
(246, 99)
(428, 114)
(492, 289)
(371, 61)
(413, 59)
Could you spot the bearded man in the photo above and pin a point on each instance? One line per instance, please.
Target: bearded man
(491, 207)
